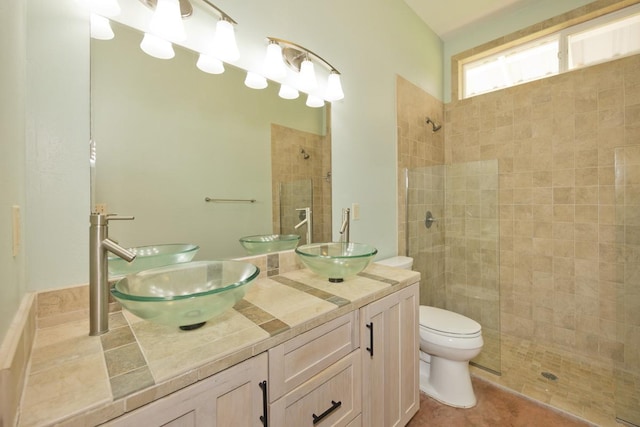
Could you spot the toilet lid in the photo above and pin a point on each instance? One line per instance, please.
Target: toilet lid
(447, 322)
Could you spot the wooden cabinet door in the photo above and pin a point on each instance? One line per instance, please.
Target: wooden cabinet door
(389, 340)
(229, 398)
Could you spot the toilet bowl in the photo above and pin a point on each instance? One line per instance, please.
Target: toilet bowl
(448, 341)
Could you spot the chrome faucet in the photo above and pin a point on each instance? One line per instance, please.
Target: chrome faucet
(99, 246)
(306, 220)
(344, 228)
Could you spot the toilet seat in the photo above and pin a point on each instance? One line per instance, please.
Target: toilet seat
(447, 323)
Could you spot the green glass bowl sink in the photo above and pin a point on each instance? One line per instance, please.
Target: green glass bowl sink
(187, 294)
(336, 261)
(151, 257)
(264, 243)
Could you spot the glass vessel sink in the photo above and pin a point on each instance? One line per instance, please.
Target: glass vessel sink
(264, 243)
(187, 294)
(336, 261)
(151, 257)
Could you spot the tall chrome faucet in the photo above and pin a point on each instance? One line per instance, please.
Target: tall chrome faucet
(99, 246)
(344, 228)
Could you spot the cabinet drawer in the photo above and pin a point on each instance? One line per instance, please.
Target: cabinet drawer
(297, 360)
(331, 398)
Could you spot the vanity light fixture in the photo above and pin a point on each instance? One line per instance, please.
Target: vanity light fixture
(100, 11)
(209, 64)
(100, 27)
(288, 92)
(157, 47)
(274, 67)
(166, 21)
(302, 61)
(255, 81)
(314, 101)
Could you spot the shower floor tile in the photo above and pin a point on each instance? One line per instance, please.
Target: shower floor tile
(579, 387)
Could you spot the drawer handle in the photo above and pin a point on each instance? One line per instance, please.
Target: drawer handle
(334, 405)
(263, 417)
(370, 326)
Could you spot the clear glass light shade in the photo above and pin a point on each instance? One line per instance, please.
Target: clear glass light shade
(288, 92)
(166, 21)
(274, 67)
(307, 80)
(209, 64)
(157, 47)
(334, 87)
(104, 7)
(224, 42)
(314, 101)
(255, 81)
(100, 28)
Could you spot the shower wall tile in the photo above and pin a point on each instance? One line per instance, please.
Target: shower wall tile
(560, 144)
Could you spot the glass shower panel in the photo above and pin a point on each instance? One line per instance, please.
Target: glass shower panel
(627, 369)
(295, 195)
(458, 255)
(425, 192)
(472, 249)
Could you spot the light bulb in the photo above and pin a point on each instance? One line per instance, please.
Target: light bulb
(255, 81)
(224, 42)
(314, 101)
(274, 67)
(288, 92)
(334, 87)
(166, 21)
(209, 64)
(100, 28)
(157, 47)
(307, 76)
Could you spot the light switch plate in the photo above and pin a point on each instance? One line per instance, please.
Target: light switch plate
(355, 211)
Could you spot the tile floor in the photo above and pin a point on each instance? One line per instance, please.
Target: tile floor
(583, 387)
(496, 407)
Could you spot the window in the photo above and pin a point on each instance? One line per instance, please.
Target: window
(603, 39)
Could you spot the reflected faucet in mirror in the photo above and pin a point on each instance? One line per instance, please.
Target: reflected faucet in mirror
(99, 245)
(306, 220)
(344, 228)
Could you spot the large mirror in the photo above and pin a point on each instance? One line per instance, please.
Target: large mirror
(168, 136)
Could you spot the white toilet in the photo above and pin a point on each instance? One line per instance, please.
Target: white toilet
(448, 341)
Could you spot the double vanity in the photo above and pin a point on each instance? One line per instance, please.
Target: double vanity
(296, 350)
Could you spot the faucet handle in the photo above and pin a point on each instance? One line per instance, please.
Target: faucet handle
(111, 217)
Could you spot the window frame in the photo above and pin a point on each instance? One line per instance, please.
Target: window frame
(534, 39)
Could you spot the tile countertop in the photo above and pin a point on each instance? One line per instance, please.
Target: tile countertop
(75, 379)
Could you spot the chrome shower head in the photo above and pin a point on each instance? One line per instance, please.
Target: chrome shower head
(435, 125)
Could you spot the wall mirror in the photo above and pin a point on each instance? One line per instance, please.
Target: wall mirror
(167, 136)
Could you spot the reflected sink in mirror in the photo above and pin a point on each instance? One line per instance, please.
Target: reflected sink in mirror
(151, 257)
(336, 261)
(264, 243)
(187, 294)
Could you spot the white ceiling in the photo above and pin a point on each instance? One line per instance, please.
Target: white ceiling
(447, 16)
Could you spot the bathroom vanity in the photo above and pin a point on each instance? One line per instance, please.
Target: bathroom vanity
(298, 350)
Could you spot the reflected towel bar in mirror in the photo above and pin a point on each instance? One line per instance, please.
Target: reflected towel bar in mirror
(209, 199)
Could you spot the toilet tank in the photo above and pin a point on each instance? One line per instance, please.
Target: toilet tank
(403, 262)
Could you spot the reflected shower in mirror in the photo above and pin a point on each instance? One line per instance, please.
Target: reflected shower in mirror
(167, 136)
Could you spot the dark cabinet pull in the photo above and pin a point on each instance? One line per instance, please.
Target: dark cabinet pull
(263, 417)
(334, 405)
(370, 326)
